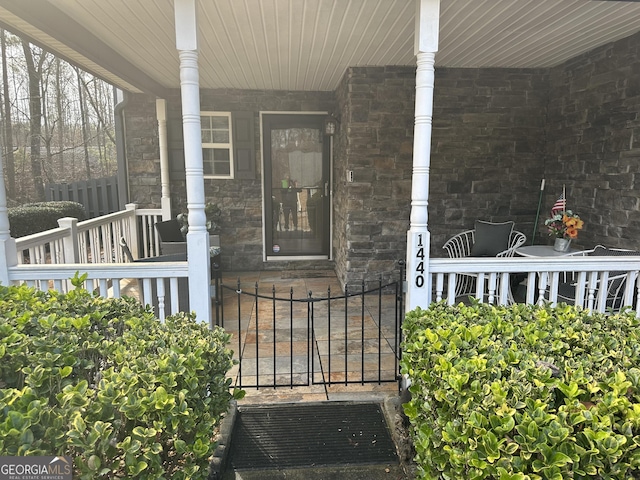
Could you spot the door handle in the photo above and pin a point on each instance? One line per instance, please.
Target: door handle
(326, 189)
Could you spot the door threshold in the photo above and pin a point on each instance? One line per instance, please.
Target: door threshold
(294, 258)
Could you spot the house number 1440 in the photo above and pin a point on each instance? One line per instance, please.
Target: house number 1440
(419, 272)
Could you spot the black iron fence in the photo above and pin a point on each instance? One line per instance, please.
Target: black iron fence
(284, 340)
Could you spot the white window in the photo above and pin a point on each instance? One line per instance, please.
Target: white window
(217, 151)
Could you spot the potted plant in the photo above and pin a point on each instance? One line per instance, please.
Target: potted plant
(213, 214)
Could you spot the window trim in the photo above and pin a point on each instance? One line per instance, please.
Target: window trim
(228, 146)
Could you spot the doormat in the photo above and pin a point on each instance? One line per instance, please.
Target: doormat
(326, 434)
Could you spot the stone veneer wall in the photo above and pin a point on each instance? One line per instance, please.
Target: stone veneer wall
(488, 147)
(143, 154)
(487, 156)
(594, 142)
(240, 200)
(371, 215)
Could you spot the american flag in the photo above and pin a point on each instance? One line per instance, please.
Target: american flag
(559, 206)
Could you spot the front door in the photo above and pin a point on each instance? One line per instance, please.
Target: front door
(296, 186)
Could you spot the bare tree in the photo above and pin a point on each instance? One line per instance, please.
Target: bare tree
(9, 161)
(84, 123)
(53, 114)
(61, 123)
(48, 123)
(35, 116)
(102, 108)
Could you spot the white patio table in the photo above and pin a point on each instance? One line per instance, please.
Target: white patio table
(543, 251)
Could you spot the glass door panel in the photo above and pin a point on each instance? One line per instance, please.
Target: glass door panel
(296, 183)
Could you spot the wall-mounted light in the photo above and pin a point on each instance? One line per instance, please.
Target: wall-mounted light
(330, 125)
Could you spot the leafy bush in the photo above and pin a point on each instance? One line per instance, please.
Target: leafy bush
(523, 392)
(39, 217)
(105, 382)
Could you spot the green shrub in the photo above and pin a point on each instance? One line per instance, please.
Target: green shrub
(105, 382)
(523, 392)
(39, 217)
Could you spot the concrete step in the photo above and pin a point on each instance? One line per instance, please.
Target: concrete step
(359, 472)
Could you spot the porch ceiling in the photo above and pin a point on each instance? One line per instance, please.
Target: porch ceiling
(308, 44)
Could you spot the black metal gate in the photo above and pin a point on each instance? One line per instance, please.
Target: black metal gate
(281, 340)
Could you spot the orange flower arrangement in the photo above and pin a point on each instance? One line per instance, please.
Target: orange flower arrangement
(564, 225)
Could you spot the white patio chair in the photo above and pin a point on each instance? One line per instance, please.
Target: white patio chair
(616, 282)
(462, 245)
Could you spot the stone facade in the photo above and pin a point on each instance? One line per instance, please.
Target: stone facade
(488, 145)
(240, 200)
(594, 142)
(371, 214)
(143, 154)
(496, 134)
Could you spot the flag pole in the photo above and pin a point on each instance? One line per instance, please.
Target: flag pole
(535, 225)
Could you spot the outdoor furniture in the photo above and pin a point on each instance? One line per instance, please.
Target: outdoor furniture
(487, 239)
(547, 251)
(126, 250)
(544, 251)
(615, 284)
(171, 237)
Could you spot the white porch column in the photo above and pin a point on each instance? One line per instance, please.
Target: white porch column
(165, 200)
(418, 237)
(198, 237)
(8, 254)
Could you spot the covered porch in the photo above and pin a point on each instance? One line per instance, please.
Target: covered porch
(440, 125)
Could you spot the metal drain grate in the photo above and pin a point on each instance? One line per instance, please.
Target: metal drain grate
(311, 435)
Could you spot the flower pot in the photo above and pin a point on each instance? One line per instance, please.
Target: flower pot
(561, 244)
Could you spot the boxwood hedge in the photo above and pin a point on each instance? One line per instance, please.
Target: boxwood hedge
(38, 217)
(523, 392)
(104, 381)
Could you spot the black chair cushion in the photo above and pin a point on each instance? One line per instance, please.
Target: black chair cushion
(491, 238)
(169, 231)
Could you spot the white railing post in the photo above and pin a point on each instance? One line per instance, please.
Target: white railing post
(418, 236)
(8, 253)
(165, 185)
(197, 237)
(70, 246)
(133, 239)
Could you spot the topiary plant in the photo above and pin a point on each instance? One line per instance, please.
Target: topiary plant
(104, 381)
(523, 392)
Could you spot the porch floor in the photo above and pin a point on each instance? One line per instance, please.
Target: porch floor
(323, 351)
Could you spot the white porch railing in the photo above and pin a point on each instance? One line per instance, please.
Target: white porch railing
(94, 241)
(154, 283)
(48, 260)
(597, 283)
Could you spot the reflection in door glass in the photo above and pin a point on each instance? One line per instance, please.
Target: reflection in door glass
(297, 190)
